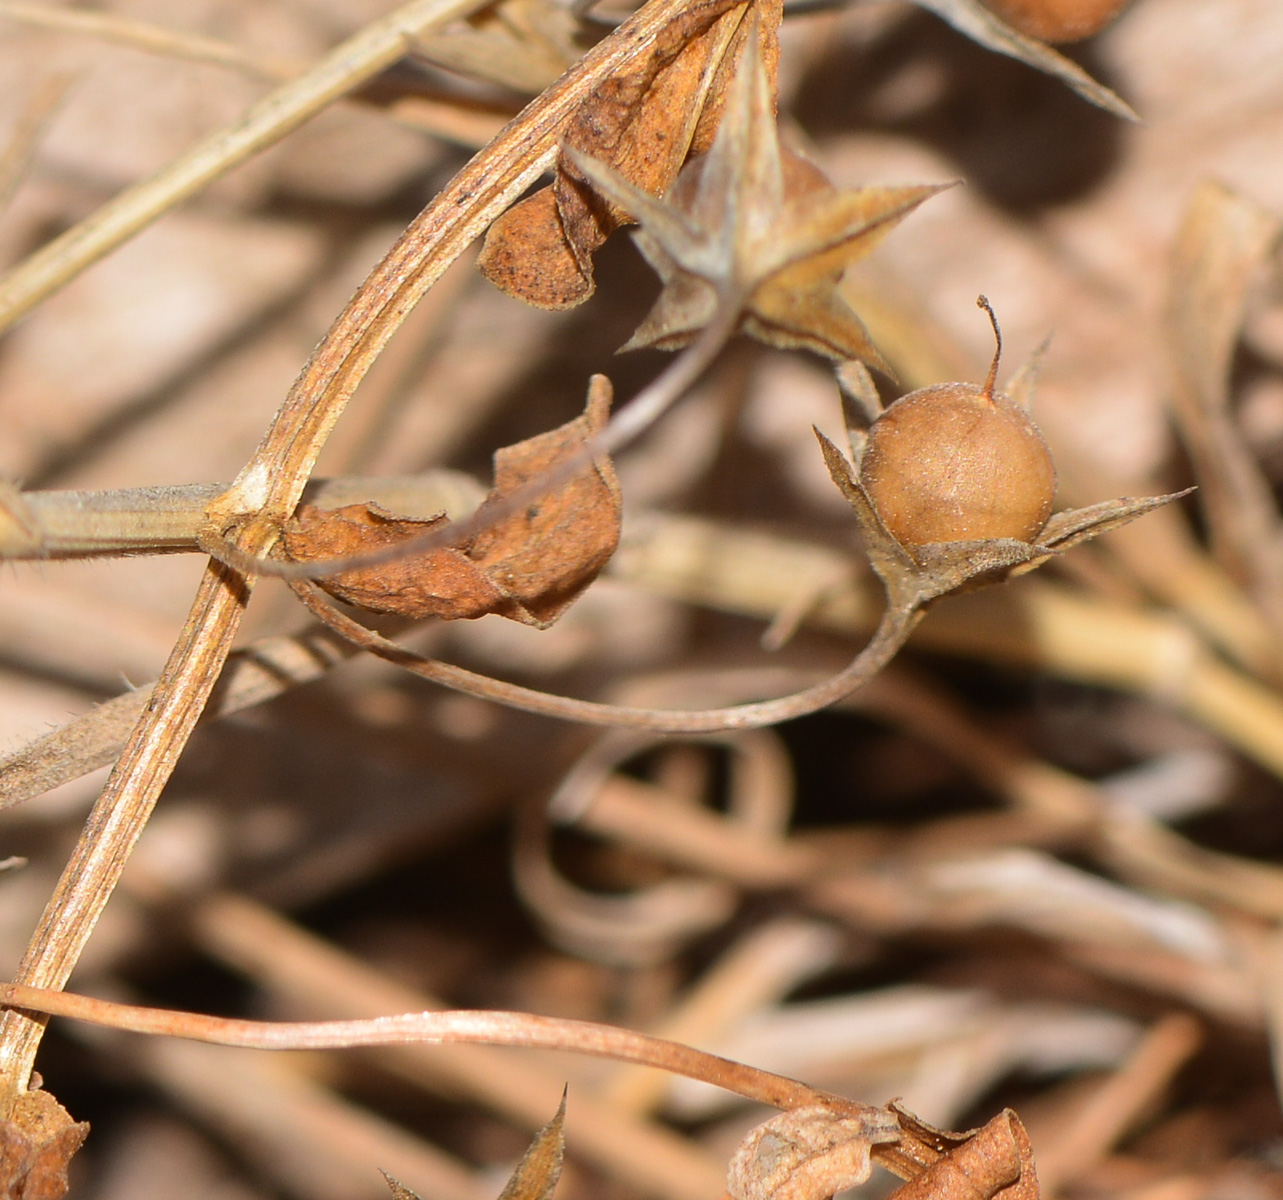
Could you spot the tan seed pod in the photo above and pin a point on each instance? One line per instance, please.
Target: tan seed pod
(956, 462)
(1057, 20)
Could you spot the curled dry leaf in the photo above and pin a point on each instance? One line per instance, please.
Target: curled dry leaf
(643, 123)
(36, 1144)
(808, 1153)
(994, 1162)
(529, 566)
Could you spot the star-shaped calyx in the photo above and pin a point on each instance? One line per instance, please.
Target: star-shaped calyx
(756, 226)
(952, 487)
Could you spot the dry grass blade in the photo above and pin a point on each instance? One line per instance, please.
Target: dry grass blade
(1119, 1101)
(142, 35)
(1030, 622)
(277, 114)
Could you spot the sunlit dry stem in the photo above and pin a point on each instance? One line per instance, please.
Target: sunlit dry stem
(169, 519)
(891, 634)
(269, 488)
(455, 1027)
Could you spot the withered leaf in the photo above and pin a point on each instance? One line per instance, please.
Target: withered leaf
(994, 1162)
(643, 123)
(36, 1144)
(807, 1153)
(529, 566)
(753, 224)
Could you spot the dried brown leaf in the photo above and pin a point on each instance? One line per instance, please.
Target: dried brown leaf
(36, 1144)
(643, 123)
(529, 566)
(994, 1162)
(808, 1153)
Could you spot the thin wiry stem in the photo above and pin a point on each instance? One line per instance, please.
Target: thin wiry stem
(890, 636)
(455, 1027)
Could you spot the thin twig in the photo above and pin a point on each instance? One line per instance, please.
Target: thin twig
(453, 1027)
(886, 642)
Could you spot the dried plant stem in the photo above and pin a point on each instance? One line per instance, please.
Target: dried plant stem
(888, 638)
(253, 675)
(1029, 622)
(345, 68)
(270, 486)
(471, 124)
(122, 810)
(301, 974)
(629, 423)
(454, 1027)
(1119, 1101)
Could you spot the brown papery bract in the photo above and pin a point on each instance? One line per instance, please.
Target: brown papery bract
(530, 565)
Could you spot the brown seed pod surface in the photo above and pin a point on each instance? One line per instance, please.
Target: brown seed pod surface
(1057, 20)
(957, 462)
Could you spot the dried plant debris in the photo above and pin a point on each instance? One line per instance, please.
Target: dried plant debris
(981, 1164)
(643, 123)
(952, 487)
(537, 1173)
(807, 1153)
(539, 1170)
(1223, 246)
(529, 566)
(759, 227)
(36, 1144)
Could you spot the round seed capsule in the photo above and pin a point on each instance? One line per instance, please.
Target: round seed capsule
(956, 462)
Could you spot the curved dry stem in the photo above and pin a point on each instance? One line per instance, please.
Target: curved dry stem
(888, 638)
(457, 1027)
(630, 422)
(269, 488)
